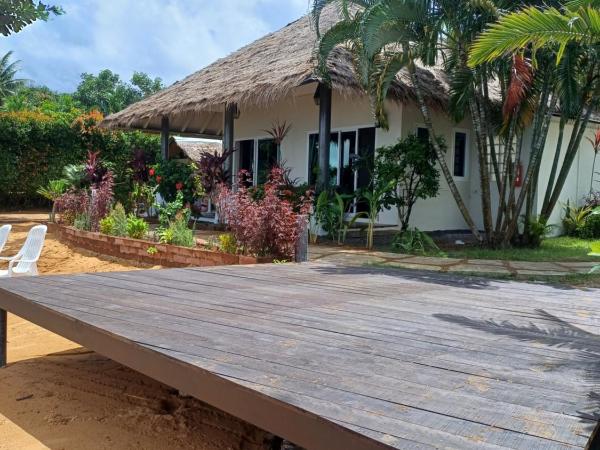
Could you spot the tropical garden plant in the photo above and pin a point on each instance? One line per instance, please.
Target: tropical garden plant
(409, 167)
(52, 192)
(267, 225)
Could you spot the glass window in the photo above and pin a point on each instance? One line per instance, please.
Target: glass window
(267, 158)
(245, 155)
(423, 134)
(460, 153)
(348, 161)
(313, 158)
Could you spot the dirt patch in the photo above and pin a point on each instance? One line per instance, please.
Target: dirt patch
(56, 394)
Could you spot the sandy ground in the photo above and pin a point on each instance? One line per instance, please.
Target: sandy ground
(55, 394)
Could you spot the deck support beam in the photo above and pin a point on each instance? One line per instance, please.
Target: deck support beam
(164, 137)
(3, 338)
(324, 95)
(228, 135)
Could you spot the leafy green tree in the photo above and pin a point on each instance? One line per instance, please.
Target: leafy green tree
(42, 99)
(146, 85)
(17, 14)
(409, 168)
(108, 93)
(8, 71)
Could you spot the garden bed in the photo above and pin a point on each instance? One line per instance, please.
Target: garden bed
(137, 250)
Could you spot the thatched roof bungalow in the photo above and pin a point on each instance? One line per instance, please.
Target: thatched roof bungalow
(272, 80)
(257, 75)
(191, 148)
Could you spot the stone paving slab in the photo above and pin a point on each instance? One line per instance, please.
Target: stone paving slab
(539, 266)
(480, 268)
(360, 257)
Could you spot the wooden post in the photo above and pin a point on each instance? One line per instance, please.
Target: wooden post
(301, 253)
(164, 138)
(228, 135)
(3, 338)
(324, 135)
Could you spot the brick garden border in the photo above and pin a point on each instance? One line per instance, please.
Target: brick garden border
(137, 249)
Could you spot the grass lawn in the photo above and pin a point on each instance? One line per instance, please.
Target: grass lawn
(552, 249)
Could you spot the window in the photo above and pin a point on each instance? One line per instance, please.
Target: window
(460, 153)
(257, 157)
(267, 158)
(423, 134)
(351, 160)
(313, 158)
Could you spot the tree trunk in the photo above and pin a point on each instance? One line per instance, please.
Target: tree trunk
(484, 173)
(440, 154)
(555, 162)
(534, 160)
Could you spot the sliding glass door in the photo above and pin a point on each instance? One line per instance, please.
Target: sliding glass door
(351, 160)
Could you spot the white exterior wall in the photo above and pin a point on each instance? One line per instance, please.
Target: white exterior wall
(440, 213)
(301, 112)
(577, 185)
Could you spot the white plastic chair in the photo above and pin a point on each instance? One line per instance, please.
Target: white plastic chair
(25, 262)
(4, 232)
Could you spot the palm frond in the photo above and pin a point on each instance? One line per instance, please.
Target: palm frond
(385, 71)
(536, 27)
(341, 33)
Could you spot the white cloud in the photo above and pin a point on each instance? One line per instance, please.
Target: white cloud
(166, 38)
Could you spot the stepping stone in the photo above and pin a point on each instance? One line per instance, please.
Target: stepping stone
(480, 268)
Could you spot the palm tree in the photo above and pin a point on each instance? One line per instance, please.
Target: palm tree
(579, 22)
(8, 83)
(385, 37)
(572, 35)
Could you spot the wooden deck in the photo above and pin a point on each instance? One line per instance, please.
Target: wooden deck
(338, 358)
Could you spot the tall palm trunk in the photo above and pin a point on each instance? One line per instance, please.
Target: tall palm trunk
(441, 157)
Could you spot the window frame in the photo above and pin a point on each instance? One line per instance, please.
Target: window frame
(466, 161)
(236, 162)
(339, 131)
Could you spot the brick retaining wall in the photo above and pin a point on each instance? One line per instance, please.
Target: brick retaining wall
(137, 249)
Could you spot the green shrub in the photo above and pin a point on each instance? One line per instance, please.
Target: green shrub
(120, 220)
(574, 219)
(168, 211)
(137, 228)
(107, 225)
(415, 242)
(178, 232)
(35, 147)
(82, 222)
(228, 243)
(591, 228)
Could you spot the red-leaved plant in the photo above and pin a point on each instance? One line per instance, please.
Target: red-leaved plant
(101, 197)
(94, 202)
(71, 204)
(269, 226)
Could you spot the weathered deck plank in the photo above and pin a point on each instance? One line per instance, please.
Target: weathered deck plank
(348, 356)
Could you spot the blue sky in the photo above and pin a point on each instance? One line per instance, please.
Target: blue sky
(165, 38)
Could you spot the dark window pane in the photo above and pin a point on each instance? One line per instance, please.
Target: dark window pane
(245, 151)
(313, 158)
(246, 155)
(348, 155)
(460, 150)
(423, 135)
(366, 162)
(267, 158)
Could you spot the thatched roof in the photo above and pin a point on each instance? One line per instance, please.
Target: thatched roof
(194, 148)
(258, 74)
